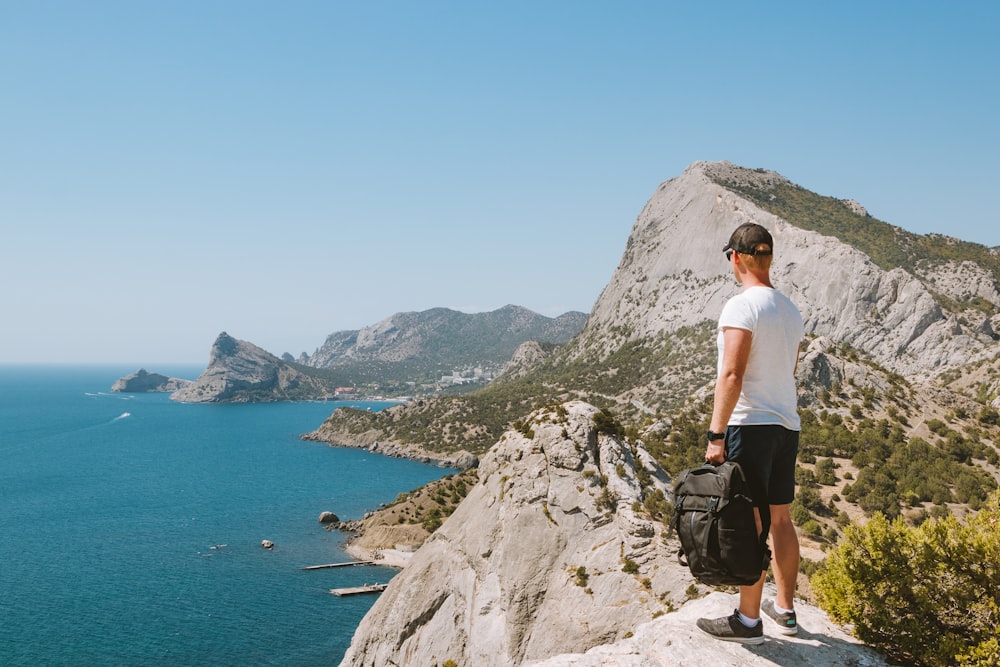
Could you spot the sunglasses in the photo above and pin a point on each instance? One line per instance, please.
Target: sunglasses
(729, 252)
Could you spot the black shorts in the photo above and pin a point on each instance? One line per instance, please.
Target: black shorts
(767, 455)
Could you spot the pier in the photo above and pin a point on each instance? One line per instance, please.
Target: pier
(358, 590)
(348, 564)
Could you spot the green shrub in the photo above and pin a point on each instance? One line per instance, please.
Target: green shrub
(928, 595)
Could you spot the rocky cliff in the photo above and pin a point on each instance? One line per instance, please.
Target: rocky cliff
(240, 372)
(555, 552)
(549, 552)
(142, 381)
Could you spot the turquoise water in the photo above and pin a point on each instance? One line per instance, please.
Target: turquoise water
(111, 504)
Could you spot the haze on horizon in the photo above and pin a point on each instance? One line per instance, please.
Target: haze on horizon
(284, 172)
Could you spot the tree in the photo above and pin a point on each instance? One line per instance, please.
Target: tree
(825, 474)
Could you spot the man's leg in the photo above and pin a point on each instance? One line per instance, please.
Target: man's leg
(750, 596)
(785, 560)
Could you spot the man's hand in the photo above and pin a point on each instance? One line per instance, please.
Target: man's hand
(715, 452)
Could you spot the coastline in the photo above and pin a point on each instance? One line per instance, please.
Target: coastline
(369, 441)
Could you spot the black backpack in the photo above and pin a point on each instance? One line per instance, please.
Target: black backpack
(713, 517)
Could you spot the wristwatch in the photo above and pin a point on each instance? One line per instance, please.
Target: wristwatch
(712, 436)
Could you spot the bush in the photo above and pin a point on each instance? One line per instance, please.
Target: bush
(928, 595)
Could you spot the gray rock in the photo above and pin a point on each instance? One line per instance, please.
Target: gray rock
(674, 640)
(501, 581)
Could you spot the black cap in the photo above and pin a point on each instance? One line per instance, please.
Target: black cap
(747, 238)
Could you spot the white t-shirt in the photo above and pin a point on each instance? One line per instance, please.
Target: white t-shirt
(768, 395)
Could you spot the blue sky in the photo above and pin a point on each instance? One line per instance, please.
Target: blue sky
(281, 171)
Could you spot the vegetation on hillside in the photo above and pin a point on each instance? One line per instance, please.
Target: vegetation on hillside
(889, 246)
(875, 465)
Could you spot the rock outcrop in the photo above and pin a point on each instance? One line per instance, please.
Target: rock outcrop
(552, 559)
(144, 382)
(526, 356)
(550, 552)
(673, 640)
(240, 372)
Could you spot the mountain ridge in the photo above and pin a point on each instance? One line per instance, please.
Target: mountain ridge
(397, 355)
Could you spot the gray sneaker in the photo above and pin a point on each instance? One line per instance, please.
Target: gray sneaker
(787, 624)
(731, 629)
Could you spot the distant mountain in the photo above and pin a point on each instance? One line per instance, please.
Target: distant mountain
(423, 346)
(241, 372)
(397, 355)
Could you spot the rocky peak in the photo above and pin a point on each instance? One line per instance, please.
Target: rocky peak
(673, 275)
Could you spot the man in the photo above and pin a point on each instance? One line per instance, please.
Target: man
(756, 424)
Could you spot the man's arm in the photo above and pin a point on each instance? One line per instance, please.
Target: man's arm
(735, 353)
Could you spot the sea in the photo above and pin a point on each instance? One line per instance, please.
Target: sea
(131, 525)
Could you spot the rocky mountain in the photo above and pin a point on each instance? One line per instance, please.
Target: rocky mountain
(429, 343)
(143, 381)
(557, 550)
(240, 372)
(917, 314)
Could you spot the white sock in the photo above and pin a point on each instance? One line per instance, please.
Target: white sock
(781, 610)
(747, 621)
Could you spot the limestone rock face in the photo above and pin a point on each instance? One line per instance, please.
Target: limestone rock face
(239, 371)
(673, 274)
(549, 553)
(142, 382)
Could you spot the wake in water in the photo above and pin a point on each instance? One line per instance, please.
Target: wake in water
(121, 416)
